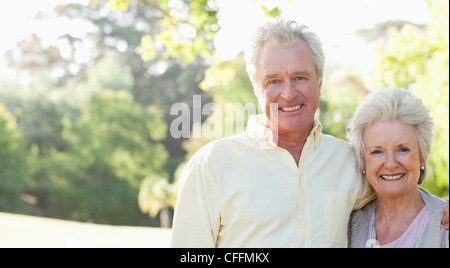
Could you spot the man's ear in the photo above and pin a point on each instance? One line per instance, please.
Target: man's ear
(319, 88)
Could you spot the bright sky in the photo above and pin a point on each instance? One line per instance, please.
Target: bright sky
(16, 20)
(334, 21)
(17, 23)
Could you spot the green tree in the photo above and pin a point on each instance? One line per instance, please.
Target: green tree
(117, 61)
(14, 165)
(112, 147)
(419, 60)
(189, 27)
(157, 195)
(339, 100)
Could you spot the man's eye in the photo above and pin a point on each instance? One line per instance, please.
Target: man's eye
(404, 149)
(299, 78)
(273, 82)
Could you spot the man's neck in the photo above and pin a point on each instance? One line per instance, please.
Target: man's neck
(292, 142)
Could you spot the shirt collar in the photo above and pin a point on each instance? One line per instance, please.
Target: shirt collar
(260, 133)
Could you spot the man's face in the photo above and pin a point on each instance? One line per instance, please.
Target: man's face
(286, 76)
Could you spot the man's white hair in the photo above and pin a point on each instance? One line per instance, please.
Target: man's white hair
(279, 32)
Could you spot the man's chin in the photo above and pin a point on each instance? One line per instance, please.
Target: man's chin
(293, 125)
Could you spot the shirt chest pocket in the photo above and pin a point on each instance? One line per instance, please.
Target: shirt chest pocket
(338, 207)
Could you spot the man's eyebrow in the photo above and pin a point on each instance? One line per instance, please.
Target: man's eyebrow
(302, 72)
(296, 72)
(270, 75)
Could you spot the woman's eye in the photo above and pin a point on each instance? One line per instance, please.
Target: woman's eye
(404, 149)
(375, 152)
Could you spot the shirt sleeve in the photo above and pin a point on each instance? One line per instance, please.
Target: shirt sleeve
(197, 212)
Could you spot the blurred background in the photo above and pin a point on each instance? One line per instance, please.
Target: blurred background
(86, 89)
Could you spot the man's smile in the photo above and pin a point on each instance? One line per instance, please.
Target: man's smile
(291, 108)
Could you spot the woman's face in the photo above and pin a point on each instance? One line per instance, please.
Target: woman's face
(392, 158)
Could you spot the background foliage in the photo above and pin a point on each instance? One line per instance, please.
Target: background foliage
(87, 138)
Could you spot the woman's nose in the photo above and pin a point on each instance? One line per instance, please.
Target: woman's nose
(391, 161)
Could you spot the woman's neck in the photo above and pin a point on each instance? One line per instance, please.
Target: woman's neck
(394, 215)
(408, 203)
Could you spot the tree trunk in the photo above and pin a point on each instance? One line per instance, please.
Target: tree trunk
(164, 216)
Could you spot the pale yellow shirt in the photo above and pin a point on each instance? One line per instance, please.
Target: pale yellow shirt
(244, 191)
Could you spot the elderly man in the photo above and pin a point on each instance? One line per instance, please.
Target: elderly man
(281, 183)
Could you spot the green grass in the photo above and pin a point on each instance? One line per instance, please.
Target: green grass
(20, 231)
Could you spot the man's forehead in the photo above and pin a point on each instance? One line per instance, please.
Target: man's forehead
(273, 46)
(296, 52)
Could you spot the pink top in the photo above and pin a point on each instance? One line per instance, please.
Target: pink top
(407, 238)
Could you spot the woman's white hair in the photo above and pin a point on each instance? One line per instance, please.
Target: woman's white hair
(279, 32)
(392, 104)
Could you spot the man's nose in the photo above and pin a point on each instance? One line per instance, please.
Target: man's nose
(289, 91)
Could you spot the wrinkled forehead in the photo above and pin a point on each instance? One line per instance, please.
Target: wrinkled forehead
(287, 58)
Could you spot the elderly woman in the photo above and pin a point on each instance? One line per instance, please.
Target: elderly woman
(392, 133)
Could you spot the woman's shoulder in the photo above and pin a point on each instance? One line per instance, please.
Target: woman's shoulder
(360, 218)
(435, 234)
(366, 210)
(433, 203)
(358, 232)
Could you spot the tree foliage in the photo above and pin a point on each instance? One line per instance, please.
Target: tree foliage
(189, 28)
(14, 162)
(96, 126)
(112, 146)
